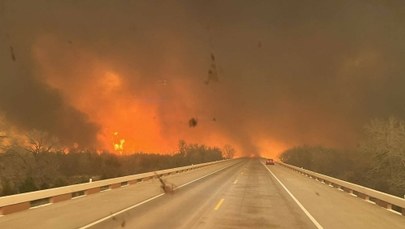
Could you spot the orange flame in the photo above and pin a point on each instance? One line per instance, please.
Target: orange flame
(106, 95)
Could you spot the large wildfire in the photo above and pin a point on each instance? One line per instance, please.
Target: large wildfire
(142, 114)
(130, 76)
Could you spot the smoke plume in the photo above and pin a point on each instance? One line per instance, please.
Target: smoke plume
(260, 75)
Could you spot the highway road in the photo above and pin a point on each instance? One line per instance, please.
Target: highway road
(237, 194)
(243, 196)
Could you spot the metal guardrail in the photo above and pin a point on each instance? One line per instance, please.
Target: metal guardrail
(385, 200)
(24, 201)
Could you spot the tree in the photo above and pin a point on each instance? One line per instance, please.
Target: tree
(298, 156)
(6, 139)
(28, 185)
(3, 137)
(228, 151)
(182, 147)
(40, 141)
(7, 188)
(384, 149)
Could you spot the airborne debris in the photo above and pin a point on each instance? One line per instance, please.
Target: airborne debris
(192, 122)
(12, 53)
(212, 72)
(166, 187)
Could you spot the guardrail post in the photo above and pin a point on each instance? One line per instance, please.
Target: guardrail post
(363, 196)
(62, 197)
(5, 210)
(92, 191)
(383, 204)
(113, 186)
(147, 178)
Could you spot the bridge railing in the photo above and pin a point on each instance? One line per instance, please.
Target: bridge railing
(385, 200)
(24, 201)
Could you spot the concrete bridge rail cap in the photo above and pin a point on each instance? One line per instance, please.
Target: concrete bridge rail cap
(391, 199)
(48, 193)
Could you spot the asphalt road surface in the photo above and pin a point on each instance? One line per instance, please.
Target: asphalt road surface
(237, 194)
(243, 196)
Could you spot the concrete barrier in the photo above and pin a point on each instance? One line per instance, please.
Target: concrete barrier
(385, 200)
(24, 201)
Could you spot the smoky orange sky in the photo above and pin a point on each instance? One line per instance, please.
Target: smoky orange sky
(262, 76)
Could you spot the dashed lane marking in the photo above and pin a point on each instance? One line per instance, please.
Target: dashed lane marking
(219, 204)
(148, 200)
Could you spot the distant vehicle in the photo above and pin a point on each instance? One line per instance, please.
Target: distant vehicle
(269, 162)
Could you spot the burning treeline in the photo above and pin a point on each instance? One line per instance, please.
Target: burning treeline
(40, 166)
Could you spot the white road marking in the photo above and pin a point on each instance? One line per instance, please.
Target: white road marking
(393, 211)
(40, 206)
(369, 201)
(319, 226)
(77, 197)
(146, 201)
(119, 212)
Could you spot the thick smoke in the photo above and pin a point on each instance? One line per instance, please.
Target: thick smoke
(255, 74)
(26, 101)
